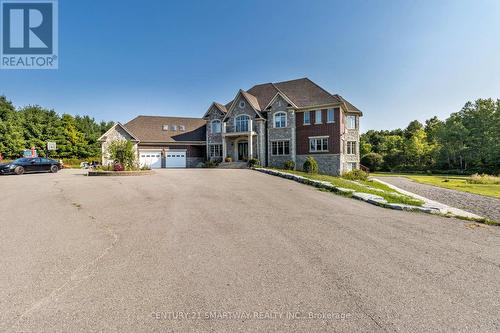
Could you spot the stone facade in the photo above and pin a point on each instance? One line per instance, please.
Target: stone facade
(116, 133)
(243, 107)
(350, 135)
(327, 163)
(286, 133)
(213, 138)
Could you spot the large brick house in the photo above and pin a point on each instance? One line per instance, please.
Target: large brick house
(273, 122)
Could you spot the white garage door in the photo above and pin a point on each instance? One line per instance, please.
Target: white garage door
(176, 159)
(150, 158)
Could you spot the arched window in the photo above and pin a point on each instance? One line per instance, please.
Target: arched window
(216, 126)
(280, 119)
(241, 123)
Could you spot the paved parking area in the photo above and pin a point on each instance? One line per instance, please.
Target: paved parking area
(233, 250)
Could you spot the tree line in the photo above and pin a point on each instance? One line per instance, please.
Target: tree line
(34, 126)
(466, 142)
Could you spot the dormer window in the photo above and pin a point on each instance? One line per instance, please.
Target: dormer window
(182, 128)
(165, 127)
(242, 104)
(174, 127)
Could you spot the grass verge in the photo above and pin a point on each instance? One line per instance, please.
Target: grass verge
(452, 182)
(388, 193)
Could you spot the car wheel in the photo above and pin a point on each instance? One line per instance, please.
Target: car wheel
(19, 170)
(54, 169)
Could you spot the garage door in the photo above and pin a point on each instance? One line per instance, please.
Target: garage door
(150, 158)
(176, 159)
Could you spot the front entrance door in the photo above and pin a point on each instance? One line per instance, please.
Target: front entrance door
(242, 151)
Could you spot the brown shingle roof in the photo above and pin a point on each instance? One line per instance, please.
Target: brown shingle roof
(150, 129)
(221, 107)
(302, 92)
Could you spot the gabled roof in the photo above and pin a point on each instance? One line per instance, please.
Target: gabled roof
(103, 137)
(150, 129)
(251, 100)
(219, 107)
(302, 93)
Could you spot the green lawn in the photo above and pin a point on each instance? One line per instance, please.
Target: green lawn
(389, 194)
(453, 182)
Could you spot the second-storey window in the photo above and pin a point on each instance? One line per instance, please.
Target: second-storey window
(351, 147)
(330, 116)
(307, 118)
(280, 148)
(215, 150)
(319, 144)
(351, 122)
(317, 113)
(216, 126)
(241, 123)
(280, 119)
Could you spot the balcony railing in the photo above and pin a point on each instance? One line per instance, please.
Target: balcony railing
(241, 127)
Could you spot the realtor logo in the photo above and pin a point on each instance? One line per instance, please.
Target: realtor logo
(29, 34)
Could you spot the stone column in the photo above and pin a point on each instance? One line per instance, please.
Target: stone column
(224, 148)
(250, 146)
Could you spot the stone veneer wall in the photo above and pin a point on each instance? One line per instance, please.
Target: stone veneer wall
(350, 135)
(213, 138)
(257, 126)
(286, 133)
(194, 162)
(328, 163)
(116, 133)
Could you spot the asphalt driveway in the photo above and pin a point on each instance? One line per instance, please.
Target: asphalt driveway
(233, 250)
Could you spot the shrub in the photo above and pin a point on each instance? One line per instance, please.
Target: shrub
(289, 165)
(253, 162)
(228, 159)
(310, 165)
(118, 167)
(355, 175)
(123, 152)
(372, 161)
(210, 164)
(483, 179)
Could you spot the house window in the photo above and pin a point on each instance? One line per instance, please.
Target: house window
(351, 122)
(319, 144)
(307, 118)
(215, 150)
(182, 128)
(174, 127)
(280, 120)
(351, 166)
(317, 113)
(351, 147)
(216, 126)
(280, 148)
(241, 123)
(330, 116)
(242, 104)
(165, 127)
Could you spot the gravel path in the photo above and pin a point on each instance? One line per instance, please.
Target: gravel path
(474, 203)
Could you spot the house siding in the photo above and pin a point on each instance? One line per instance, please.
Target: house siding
(280, 134)
(329, 162)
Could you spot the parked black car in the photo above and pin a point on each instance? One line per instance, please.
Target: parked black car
(33, 164)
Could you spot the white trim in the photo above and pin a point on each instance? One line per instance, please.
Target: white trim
(319, 138)
(279, 93)
(233, 105)
(212, 124)
(286, 119)
(304, 118)
(113, 127)
(280, 140)
(333, 118)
